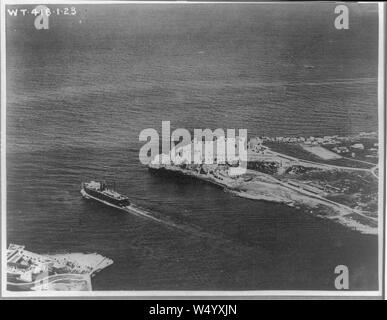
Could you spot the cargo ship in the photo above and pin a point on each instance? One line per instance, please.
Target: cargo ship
(99, 191)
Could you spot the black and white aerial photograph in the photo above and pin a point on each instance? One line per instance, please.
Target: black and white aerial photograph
(192, 148)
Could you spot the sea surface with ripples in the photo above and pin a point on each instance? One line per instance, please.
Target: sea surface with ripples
(79, 94)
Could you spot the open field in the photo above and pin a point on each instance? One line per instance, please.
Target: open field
(321, 152)
(296, 151)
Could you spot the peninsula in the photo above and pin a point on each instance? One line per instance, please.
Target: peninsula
(331, 177)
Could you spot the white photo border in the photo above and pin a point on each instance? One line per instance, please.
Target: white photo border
(251, 294)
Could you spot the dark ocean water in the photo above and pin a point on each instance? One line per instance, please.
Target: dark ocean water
(79, 94)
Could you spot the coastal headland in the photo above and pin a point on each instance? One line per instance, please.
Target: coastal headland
(331, 177)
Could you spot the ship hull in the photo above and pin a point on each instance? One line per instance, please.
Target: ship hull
(133, 209)
(89, 196)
